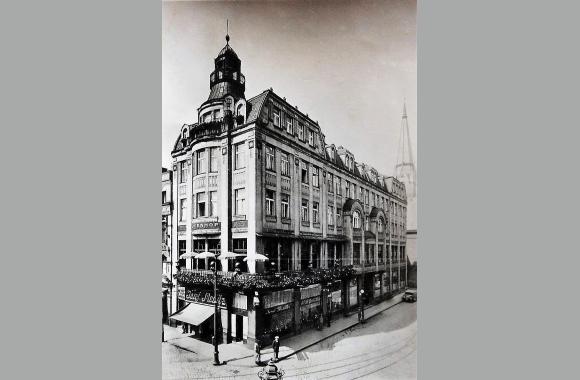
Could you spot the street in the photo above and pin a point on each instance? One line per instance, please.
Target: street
(384, 347)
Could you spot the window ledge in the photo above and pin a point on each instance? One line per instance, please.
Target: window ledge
(271, 218)
(286, 220)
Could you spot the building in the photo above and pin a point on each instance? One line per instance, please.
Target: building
(256, 177)
(167, 260)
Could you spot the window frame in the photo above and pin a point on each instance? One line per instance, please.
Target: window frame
(239, 156)
(240, 211)
(213, 159)
(270, 158)
(285, 206)
(270, 202)
(305, 211)
(198, 196)
(201, 162)
(276, 116)
(284, 164)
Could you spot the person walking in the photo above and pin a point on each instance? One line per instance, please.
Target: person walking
(361, 316)
(276, 347)
(257, 349)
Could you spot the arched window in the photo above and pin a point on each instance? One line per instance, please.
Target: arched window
(380, 225)
(239, 110)
(356, 219)
(184, 134)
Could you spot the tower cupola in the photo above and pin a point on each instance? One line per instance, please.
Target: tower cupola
(227, 78)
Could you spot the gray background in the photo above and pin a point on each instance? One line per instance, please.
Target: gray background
(81, 127)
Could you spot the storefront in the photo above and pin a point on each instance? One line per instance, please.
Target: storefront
(310, 306)
(386, 288)
(278, 314)
(377, 283)
(239, 318)
(195, 313)
(353, 292)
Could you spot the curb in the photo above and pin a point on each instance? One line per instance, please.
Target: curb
(335, 333)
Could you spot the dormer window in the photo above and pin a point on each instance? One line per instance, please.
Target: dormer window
(310, 137)
(184, 134)
(276, 116)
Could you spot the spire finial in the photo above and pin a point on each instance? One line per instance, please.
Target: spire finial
(227, 31)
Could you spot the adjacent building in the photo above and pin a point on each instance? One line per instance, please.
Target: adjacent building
(256, 177)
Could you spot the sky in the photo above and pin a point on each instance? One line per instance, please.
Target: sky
(349, 65)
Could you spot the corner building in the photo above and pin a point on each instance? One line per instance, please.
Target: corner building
(257, 177)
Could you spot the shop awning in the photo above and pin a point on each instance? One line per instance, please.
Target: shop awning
(194, 314)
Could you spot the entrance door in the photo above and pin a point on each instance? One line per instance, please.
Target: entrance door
(239, 328)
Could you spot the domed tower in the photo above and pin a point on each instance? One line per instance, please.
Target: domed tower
(227, 87)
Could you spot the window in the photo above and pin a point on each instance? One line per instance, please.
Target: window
(201, 200)
(163, 196)
(284, 164)
(301, 131)
(370, 253)
(330, 215)
(315, 212)
(356, 253)
(239, 156)
(207, 117)
(360, 193)
(353, 192)
(285, 200)
(330, 183)
(269, 158)
(276, 115)
(182, 248)
(289, 125)
(182, 209)
(213, 160)
(183, 171)
(184, 134)
(213, 203)
(201, 165)
(304, 166)
(310, 137)
(367, 196)
(356, 219)
(216, 114)
(270, 205)
(240, 206)
(380, 225)
(239, 111)
(338, 217)
(380, 253)
(347, 188)
(304, 211)
(366, 223)
(315, 177)
(338, 185)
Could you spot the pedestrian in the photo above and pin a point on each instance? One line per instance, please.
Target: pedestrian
(258, 354)
(276, 347)
(362, 306)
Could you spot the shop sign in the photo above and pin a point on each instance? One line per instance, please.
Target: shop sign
(200, 297)
(310, 301)
(277, 309)
(205, 226)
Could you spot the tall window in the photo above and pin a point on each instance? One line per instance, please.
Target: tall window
(315, 218)
(361, 193)
(304, 211)
(201, 162)
(347, 188)
(289, 125)
(310, 137)
(213, 160)
(213, 203)
(356, 253)
(217, 113)
(330, 215)
(356, 219)
(239, 156)
(201, 205)
(284, 164)
(367, 224)
(304, 167)
(163, 196)
(301, 131)
(330, 183)
(182, 209)
(276, 116)
(183, 171)
(367, 196)
(338, 185)
(270, 205)
(269, 158)
(285, 201)
(315, 177)
(380, 225)
(338, 216)
(240, 196)
(380, 253)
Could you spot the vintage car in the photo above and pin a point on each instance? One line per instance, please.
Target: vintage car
(410, 295)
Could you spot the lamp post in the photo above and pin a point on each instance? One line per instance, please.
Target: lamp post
(216, 354)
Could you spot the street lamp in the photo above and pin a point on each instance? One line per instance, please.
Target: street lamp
(213, 267)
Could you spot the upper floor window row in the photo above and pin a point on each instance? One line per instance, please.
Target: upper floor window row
(203, 163)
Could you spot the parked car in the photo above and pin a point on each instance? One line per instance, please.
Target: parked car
(410, 295)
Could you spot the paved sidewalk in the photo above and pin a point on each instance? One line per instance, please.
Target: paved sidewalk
(243, 354)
